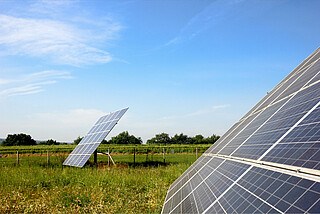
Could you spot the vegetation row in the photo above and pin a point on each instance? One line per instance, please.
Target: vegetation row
(122, 138)
(112, 148)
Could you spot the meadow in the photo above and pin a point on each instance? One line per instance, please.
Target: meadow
(38, 186)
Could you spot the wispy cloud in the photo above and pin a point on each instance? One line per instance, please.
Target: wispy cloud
(58, 41)
(50, 7)
(74, 117)
(200, 112)
(52, 33)
(205, 19)
(31, 83)
(70, 123)
(65, 125)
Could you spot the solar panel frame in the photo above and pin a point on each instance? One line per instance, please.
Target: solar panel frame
(91, 141)
(283, 143)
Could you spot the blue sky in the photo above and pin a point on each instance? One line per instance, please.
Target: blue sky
(181, 66)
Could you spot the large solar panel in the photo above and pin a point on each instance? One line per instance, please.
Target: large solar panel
(81, 154)
(268, 162)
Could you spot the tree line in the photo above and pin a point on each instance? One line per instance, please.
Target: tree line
(25, 140)
(122, 138)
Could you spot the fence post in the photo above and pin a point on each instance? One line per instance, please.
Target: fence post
(108, 157)
(147, 158)
(18, 158)
(48, 158)
(134, 156)
(196, 153)
(164, 158)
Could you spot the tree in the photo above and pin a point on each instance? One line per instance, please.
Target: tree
(77, 141)
(52, 142)
(162, 138)
(198, 139)
(125, 138)
(19, 140)
(181, 139)
(212, 139)
(49, 142)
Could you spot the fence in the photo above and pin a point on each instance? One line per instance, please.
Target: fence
(122, 155)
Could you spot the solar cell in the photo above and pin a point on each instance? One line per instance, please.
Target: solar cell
(81, 154)
(268, 162)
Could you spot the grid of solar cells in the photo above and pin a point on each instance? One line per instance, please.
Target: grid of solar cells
(250, 129)
(316, 78)
(215, 179)
(279, 123)
(224, 138)
(284, 127)
(81, 154)
(301, 147)
(233, 134)
(188, 174)
(258, 191)
(287, 193)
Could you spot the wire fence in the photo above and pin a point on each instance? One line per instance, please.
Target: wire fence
(107, 155)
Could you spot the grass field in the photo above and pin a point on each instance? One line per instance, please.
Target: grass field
(34, 186)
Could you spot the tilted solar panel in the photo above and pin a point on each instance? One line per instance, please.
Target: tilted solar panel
(81, 154)
(268, 162)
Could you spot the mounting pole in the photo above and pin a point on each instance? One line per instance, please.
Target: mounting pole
(95, 157)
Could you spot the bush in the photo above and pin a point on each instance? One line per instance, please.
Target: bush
(18, 140)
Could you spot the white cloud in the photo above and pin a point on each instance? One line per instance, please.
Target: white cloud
(73, 117)
(52, 7)
(30, 84)
(214, 13)
(60, 125)
(200, 112)
(62, 42)
(22, 90)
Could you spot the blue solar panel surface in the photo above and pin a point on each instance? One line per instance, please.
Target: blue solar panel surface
(81, 154)
(268, 162)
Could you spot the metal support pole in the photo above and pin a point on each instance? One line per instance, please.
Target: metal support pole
(95, 157)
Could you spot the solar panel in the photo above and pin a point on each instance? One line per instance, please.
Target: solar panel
(81, 154)
(268, 162)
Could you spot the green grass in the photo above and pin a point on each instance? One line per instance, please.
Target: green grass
(35, 187)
